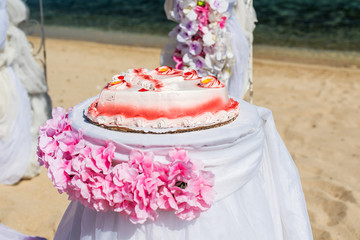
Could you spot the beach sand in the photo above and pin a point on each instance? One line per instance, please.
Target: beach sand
(316, 106)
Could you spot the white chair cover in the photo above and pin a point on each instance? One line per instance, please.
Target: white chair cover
(259, 194)
(17, 11)
(15, 115)
(7, 233)
(241, 25)
(3, 23)
(15, 122)
(17, 55)
(26, 68)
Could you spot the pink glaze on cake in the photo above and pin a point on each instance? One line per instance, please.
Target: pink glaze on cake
(162, 98)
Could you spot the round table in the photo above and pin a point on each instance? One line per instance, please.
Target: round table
(258, 190)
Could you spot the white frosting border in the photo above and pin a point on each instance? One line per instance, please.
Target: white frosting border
(202, 120)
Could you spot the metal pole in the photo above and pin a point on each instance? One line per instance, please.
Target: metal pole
(43, 37)
(250, 67)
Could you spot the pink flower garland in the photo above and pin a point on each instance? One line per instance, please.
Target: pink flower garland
(203, 42)
(137, 188)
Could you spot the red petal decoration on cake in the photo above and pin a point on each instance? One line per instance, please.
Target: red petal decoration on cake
(210, 82)
(138, 70)
(118, 82)
(166, 70)
(157, 83)
(190, 74)
(143, 90)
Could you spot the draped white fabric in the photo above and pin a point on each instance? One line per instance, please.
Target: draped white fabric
(16, 54)
(26, 68)
(241, 25)
(15, 122)
(31, 74)
(15, 115)
(7, 233)
(17, 11)
(259, 194)
(3, 23)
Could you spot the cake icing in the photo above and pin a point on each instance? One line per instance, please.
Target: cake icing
(162, 98)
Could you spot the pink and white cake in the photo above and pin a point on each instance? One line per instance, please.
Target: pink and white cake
(163, 98)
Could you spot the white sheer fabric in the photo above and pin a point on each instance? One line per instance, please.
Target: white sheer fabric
(15, 123)
(17, 55)
(15, 115)
(3, 23)
(241, 25)
(259, 194)
(17, 11)
(7, 233)
(31, 74)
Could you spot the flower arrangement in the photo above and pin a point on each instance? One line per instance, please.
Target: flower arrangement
(203, 42)
(138, 187)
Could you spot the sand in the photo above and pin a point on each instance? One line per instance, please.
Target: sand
(316, 105)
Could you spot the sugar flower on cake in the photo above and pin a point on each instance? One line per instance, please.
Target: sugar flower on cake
(203, 42)
(118, 82)
(190, 74)
(210, 82)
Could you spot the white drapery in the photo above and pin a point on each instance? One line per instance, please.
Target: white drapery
(15, 115)
(15, 123)
(7, 233)
(16, 58)
(259, 194)
(3, 24)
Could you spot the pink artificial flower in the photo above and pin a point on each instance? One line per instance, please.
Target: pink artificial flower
(165, 199)
(195, 48)
(145, 192)
(58, 113)
(145, 186)
(101, 158)
(179, 62)
(177, 13)
(58, 172)
(137, 188)
(79, 169)
(197, 197)
(144, 162)
(100, 188)
(203, 14)
(190, 27)
(123, 173)
(179, 154)
(123, 178)
(79, 190)
(222, 22)
(68, 140)
(175, 31)
(47, 145)
(180, 172)
(183, 36)
(220, 6)
(58, 123)
(203, 186)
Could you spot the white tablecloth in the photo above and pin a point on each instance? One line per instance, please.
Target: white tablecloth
(259, 194)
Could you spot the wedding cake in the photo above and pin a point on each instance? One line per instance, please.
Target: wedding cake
(163, 98)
